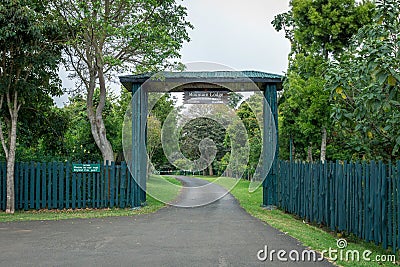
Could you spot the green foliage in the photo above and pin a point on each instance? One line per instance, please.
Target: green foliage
(198, 129)
(30, 49)
(163, 107)
(42, 134)
(30, 54)
(133, 35)
(248, 112)
(322, 26)
(319, 31)
(365, 86)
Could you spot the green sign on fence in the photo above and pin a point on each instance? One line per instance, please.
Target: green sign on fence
(85, 167)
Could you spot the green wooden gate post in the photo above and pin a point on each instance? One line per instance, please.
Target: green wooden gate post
(270, 184)
(139, 158)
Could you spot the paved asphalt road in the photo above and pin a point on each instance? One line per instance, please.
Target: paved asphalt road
(218, 234)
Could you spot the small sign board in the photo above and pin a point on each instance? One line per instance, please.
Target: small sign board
(85, 167)
(205, 97)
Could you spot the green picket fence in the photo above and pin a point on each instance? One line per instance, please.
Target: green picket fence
(55, 186)
(359, 198)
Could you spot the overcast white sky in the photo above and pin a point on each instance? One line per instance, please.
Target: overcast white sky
(234, 33)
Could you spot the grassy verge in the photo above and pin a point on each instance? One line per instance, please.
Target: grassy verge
(309, 235)
(152, 206)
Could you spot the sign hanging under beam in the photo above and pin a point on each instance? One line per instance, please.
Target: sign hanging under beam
(206, 97)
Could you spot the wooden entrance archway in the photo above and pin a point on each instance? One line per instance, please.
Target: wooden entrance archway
(238, 81)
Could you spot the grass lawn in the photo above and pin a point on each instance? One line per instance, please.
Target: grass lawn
(157, 184)
(309, 235)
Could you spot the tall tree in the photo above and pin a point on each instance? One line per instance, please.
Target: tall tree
(365, 85)
(30, 53)
(318, 30)
(108, 36)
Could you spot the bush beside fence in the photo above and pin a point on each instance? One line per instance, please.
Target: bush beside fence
(55, 186)
(358, 198)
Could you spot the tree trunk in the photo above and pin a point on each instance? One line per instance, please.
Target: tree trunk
(97, 126)
(323, 145)
(13, 108)
(10, 166)
(210, 170)
(309, 153)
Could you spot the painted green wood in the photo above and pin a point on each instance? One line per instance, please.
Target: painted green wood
(123, 185)
(395, 215)
(112, 184)
(129, 190)
(384, 211)
(44, 188)
(73, 191)
(94, 183)
(67, 185)
(49, 187)
(26, 186)
(117, 184)
(367, 222)
(102, 187)
(377, 204)
(79, 190)
(107, 184)
(3, 174)
(88, 189)
(84, 190)
(37, 185)
(32, 183)
(397, 179)
(55, 185)
(372, 190)
(358, 204)
(389, 205)
(61, 183)
(98, 202)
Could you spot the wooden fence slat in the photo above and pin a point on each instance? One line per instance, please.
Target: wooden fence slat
(129, 188)
(44, 183)
(79, 189)
(122, 185)
(117, 183)
(107, 184)
(98, 193)
(367, 189)
(26, 186)
(3, 173)
(94, 183)
(112, 184)
(32, 183)
(61, 182)
(359, 207)
(395, 215)
(67, 185)
(84, 189)
(37, 186)
(49, 186)
(389, 205)
(73, 192)
(102, 187)
(397, 179)
(55, 184)
(384, 211)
